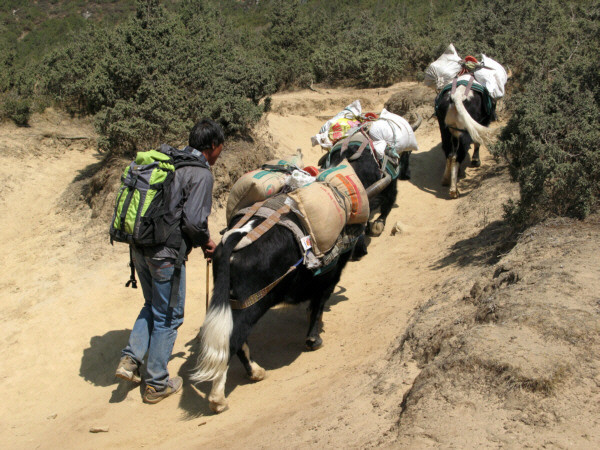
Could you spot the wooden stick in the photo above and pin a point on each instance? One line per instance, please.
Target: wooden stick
(207, 282)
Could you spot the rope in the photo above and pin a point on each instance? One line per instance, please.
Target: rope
(257, 296)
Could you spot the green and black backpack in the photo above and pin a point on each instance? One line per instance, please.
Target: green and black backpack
(138, 218)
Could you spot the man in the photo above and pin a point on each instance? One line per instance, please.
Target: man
(190, 201)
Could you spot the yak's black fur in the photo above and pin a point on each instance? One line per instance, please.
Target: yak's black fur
(367, 168)
(257, 265)
(460, 147)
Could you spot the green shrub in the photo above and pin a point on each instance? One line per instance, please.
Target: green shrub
(149, 79)
(16, 108)
(551, 140)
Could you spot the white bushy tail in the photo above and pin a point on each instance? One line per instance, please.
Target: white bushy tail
(479, 134)
(215, 333)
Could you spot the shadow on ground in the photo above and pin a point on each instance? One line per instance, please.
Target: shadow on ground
(486, 248)
(276, 341)
(427, 169)
(100, 360)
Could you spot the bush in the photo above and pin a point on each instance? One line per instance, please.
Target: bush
(16, 108)
(151, 78)
(551, 140)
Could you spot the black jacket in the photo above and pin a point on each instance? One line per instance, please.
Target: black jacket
(190, 202)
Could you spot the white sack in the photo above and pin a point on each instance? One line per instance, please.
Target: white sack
(441, 72)
(299, 178)
(353, 110)
(493, 78)
(393, 130)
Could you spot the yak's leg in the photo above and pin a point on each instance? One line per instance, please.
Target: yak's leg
(216, 398)
(454, 166)
(313, 339)
(360, 248)
(446, 177)
(475, 161)
(317, 303)
(388, 199)
(254, 371)
(404, 166)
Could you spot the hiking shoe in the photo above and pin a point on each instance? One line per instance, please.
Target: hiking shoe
(128, 370)
(153, 396)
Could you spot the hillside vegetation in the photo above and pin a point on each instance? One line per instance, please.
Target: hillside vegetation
(146, 70)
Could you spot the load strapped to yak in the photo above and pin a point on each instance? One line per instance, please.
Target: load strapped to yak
(450, 70)
(332, 207)
(389, 135)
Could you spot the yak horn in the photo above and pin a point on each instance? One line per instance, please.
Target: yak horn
(379, 186)
(417, 123)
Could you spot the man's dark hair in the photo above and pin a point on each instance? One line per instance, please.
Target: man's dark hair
(205, 134)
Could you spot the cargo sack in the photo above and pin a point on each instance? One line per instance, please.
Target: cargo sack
(326, 206)
(344, 179)
(352, 112)
(443, 70)
(341, 128)
(260, 184)
(492, 76)
(393, 132)
(141, 200)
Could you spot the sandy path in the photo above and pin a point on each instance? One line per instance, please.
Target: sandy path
(66, 314)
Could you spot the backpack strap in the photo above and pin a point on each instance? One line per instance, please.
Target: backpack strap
(132, 281)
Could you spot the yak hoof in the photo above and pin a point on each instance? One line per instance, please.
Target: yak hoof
(475, 163)
(257, 374)
(454, 194)
(376, 228)
(218, 406)
(314, 343)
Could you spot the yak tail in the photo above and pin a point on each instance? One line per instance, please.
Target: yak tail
(216, 330)
(479, 133)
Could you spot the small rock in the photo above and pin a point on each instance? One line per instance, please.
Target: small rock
(398, 228)
(52, 416)
(99, 429)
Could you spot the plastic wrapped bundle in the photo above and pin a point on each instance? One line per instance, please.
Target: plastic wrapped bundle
(338, 126)
(393, 131)
(441, 72)
(492, 76)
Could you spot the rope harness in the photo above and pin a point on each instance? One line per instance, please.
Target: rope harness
(257, 296)
(253, 235)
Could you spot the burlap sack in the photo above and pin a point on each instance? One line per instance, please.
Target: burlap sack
(259, 184)
(338, 198)
(323, 215)
(346, 181)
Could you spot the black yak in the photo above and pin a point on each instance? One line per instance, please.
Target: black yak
(239, 275)
(463, 118)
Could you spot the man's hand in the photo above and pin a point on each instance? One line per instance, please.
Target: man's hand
(209, 249)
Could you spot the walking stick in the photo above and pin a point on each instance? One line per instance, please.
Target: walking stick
(207, 282)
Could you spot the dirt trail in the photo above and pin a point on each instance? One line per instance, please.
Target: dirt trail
(66, 314)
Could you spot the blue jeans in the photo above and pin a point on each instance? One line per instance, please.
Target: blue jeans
(155, 329)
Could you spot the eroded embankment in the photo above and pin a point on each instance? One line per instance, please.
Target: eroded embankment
(509, 354)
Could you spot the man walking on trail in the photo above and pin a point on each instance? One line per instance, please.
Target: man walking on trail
(189, 206)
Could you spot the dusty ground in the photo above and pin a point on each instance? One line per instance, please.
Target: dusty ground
(445, 334)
